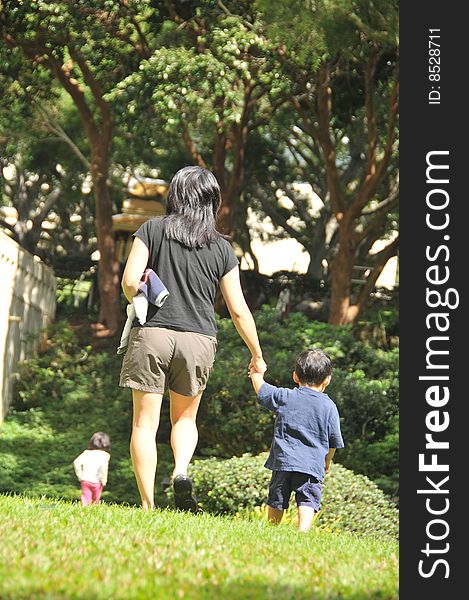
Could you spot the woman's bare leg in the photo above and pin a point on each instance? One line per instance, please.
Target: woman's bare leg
(146, 418)
(184, 434)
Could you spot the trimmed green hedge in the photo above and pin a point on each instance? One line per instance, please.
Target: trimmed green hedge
(350, 502)
(364, 386)
(71, 390)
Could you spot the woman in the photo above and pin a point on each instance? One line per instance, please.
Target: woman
(176, 346)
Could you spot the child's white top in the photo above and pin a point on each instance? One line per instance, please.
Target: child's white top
(92, 466)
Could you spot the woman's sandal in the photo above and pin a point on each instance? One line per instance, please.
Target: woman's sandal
(184, 498)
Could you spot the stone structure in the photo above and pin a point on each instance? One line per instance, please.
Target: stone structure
(147, 200)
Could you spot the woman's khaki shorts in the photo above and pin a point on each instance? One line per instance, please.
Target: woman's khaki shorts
(157, 358)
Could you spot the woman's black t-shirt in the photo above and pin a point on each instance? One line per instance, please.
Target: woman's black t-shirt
(191, 276)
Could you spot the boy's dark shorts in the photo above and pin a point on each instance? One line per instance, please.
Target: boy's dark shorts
(306, 487)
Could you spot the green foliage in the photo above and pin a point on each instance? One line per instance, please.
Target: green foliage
(71, 390)
(232, 423)
(104, 32)
(227, 84)
(378, 459)
(350, 502)
(227, 486)
(353, 502)
(202, 88)
(63, 396)
(46, 177)
(60, 58)
(364, 386)
(353, 44)
(330, 28)
(380, 320)
(123, 553)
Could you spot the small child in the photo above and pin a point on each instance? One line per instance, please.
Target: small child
(91, 468)
(306, 435)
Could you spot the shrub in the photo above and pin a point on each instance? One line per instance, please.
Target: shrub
(377, 459)
(350, 502)
(71, 390)
(364, 387)
(380, 319)
(364, 381)
(63, 396)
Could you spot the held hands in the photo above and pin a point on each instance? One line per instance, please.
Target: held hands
(257, 365)
(252, 371)
(257, 377)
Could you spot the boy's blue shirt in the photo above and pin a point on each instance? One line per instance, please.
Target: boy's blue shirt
(306, 426)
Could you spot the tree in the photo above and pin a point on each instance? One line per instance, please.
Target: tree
(84, 47)
(42, 179)
(215, 82)
(345, 134)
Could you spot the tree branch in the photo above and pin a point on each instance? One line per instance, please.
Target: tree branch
(380, 259)
(97, 92)
(264, 118)
(271, 210)
(46, 207)
(370, 70)
(72, 87)
(54, 127)
(189, 142)
(324, 107)
(230, 14)
(392, 118)
(312, 166)
(372, 180)
(377, 214)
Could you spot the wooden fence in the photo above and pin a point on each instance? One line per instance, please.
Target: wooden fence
(27, 305)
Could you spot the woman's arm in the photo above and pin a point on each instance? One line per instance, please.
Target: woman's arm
(230, 287)
(134, 268)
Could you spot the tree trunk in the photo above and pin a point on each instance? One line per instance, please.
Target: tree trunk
(317, 252)
(225, 216)
(315, 267)
(341, 311)
(108, 268)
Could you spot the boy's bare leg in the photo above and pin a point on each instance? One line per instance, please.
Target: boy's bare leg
(274, 515)
(306, 516)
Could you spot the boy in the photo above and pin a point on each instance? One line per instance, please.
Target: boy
(306, 435)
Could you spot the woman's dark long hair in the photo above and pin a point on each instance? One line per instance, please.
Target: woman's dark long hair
(191, 207)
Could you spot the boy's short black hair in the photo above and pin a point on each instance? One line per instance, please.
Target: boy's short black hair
(99, 441)
(313, 367)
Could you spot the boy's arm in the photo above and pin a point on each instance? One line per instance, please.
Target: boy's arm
(270, 397)
(257, 380)
(329, 456)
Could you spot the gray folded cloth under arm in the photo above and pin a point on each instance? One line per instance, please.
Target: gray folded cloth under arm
(151, 289)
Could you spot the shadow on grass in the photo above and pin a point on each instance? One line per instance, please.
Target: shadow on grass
(42, 465)
(234, 590)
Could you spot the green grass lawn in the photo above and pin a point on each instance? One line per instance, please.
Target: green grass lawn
(55, 549)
